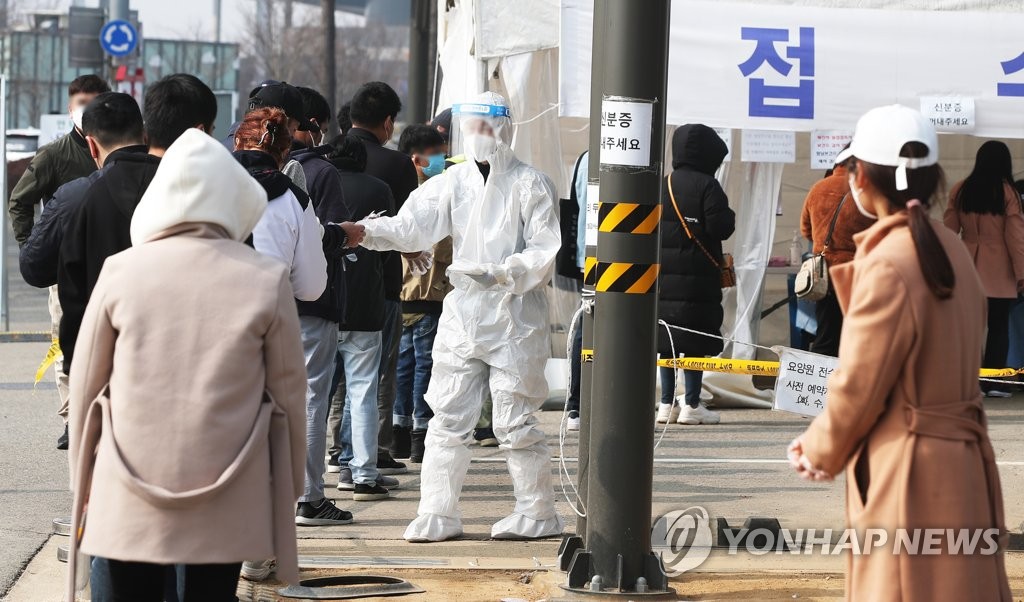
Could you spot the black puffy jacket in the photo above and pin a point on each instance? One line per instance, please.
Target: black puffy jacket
(38, 256)
(328, 198)
(690, 293)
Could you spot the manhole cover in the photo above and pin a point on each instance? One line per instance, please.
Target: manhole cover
(349, 587)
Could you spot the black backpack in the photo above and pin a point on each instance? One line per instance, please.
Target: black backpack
(568, 218)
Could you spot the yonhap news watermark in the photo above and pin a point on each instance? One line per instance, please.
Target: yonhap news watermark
(684, 540)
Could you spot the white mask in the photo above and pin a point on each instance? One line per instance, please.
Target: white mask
(855, 193)
(76, 116)
(480, 147)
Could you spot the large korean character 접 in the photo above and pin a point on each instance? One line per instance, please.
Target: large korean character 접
(794, 100)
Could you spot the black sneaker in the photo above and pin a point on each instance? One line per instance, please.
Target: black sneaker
(333, 465)
(485, 437)
(369, 493)
(324, 514)
(388, 465)
(62, 441)
(402, 445)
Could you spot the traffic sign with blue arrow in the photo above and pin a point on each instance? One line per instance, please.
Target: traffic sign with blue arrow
(119, 38)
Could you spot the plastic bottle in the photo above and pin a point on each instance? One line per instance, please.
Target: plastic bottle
(796, 249)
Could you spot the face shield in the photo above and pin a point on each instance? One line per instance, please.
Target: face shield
(479, 128)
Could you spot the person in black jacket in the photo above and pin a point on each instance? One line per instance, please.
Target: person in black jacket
(354, 427)
(66, 158)
(373, 111)
(62, 161)
(101, 226)
(690, 284)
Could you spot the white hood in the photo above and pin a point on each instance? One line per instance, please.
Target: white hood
(198, 181)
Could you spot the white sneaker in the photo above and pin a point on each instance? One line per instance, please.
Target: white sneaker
(698, 415)
(999, 394)
(573, 422)
(667, 413)
(258, 570)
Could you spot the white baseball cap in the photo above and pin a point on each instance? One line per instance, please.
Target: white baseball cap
(881, 134)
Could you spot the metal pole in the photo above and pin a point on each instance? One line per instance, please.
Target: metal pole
(119, 9)
(618, 557)
(419, 61)
(330, 91)
(5, 302)
(578, 542)
(218, 11)
(593, 180)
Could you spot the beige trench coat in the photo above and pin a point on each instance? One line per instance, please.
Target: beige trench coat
(190, 391)
(904, 417)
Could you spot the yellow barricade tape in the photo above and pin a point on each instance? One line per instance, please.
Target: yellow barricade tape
(51, 356)
(729, 366)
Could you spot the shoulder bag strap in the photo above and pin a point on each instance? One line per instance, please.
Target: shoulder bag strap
(832, 226)
(575, 176)
(686, 228)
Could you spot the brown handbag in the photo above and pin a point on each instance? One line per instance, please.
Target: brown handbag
(726, 266)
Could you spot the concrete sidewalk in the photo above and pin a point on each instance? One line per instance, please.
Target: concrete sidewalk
(735, 470)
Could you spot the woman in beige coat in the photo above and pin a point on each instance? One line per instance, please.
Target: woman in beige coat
(985, 210)
(188, 400)
(904, 413)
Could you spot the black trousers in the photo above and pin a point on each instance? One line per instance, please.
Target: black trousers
(830, 325)
(997, 345)
(144, 582)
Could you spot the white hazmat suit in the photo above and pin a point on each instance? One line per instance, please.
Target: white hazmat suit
(493, 333)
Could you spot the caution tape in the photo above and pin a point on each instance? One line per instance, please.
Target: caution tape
(628, 218)
(728, 366)
(630, 278)
(51, 356)
(763, 367)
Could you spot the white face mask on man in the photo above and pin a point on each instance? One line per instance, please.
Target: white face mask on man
(480, 147)
(76, 116)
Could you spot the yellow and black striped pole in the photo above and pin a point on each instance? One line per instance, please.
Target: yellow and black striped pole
(634, 36)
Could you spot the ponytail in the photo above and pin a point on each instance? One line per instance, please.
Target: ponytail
(935, 265)
(923, 184)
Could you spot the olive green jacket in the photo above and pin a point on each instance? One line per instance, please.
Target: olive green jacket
(66, 158)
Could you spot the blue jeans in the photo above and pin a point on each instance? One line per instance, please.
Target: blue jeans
(319, 346)
(415, 362)
(691, 379)
(360, 360)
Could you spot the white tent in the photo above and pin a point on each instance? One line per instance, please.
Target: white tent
(859, 54)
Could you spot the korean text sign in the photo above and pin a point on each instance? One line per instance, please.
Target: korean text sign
(802, 385)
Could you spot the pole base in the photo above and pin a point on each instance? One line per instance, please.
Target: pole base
(583, 581)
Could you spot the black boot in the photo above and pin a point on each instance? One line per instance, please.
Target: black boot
(419, 439)
(62, 441)
(401, 445)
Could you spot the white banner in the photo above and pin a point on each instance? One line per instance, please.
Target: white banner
(801, 68)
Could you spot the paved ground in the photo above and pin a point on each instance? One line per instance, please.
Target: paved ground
(735, 470)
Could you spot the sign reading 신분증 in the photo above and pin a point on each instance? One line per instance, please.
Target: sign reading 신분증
(626, 128)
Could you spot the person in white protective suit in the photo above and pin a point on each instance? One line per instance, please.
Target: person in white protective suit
(493, 333)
